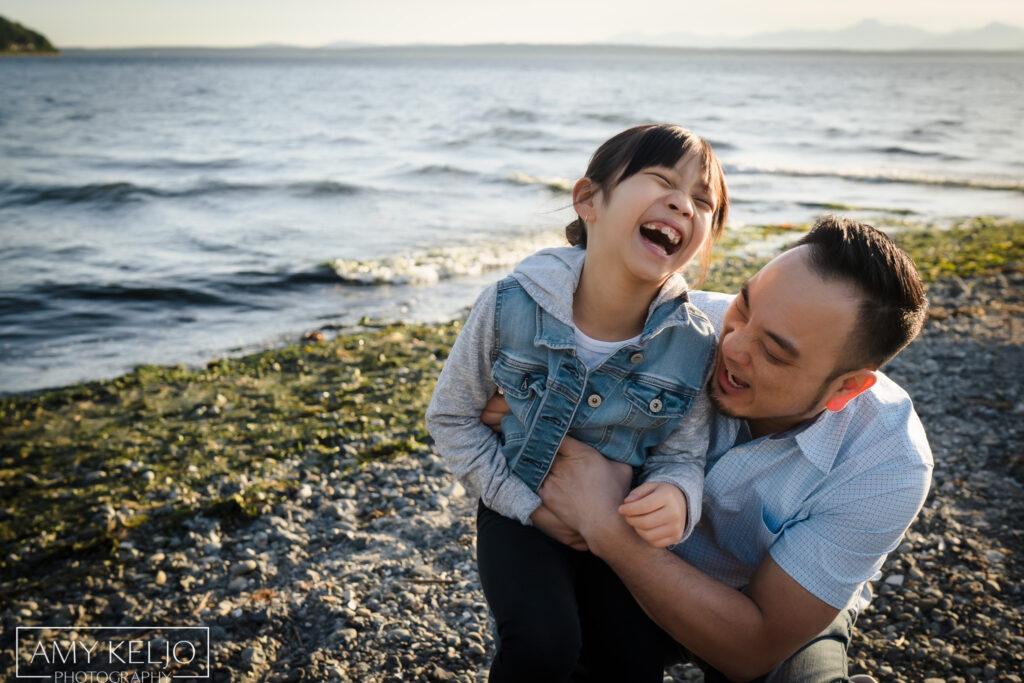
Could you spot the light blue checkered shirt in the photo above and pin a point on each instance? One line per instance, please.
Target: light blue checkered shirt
(829, 500)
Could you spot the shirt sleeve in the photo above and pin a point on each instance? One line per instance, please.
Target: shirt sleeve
(679, 460)
(470, 449)
(838, 547)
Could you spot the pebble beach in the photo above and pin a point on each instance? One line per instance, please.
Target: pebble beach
(292, 502)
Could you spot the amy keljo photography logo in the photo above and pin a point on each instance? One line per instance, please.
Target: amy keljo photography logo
(112, 654)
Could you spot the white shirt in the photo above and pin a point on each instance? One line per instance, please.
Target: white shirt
(592, 352)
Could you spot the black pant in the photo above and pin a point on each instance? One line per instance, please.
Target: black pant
(562, 615)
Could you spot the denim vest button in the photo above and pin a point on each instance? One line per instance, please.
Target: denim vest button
(594, 400)
(656, 405)
(636, 358)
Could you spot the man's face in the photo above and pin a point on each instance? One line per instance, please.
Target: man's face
(782, 338)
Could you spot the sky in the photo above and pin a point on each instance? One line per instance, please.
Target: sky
(228, 23)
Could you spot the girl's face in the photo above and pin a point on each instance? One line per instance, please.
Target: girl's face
(652, 223)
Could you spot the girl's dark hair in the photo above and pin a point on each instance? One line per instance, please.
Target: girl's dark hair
(661, 144)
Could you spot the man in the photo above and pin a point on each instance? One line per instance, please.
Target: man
(817, 465)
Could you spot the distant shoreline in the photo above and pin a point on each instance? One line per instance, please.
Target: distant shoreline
(19, 53)
(499, 49)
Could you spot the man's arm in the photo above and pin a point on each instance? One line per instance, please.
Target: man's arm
(742, 634)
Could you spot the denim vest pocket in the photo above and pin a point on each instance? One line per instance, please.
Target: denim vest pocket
(522, 383)
(652, 405)
(517, 379)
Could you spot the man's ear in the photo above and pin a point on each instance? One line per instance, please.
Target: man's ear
(853, 384)
(583, 199)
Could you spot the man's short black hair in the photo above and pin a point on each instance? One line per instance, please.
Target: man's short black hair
(893, 303)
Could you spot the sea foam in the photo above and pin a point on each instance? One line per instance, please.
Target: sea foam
(433, 265)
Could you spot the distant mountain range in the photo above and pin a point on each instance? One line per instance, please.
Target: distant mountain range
(866, 35)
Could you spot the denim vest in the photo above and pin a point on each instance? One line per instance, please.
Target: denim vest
(623, 408)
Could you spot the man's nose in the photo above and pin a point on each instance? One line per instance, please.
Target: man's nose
(736, 346)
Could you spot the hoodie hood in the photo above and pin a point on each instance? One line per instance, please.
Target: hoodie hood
(551, 276)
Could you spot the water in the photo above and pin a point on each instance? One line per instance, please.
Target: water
(177, 208)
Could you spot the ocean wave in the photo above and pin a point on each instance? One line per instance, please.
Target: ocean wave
(165, 295)
(719, 145)
(510, 134)
(118, 193)
(907, 151)
(897, 177)
(556, 184)
(511, 114)
(323, 188)
(320, 275)
(169, 164)
(832, 206)
(607, 117)
(434, 265)
(245, 289)
(442, 170)
(37, 322)
(100, 193)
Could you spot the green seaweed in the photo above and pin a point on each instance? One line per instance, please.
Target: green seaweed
(87, 466)
(978, 246)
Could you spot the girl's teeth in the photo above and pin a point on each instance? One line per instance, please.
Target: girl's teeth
(732, 380)
(671, 234)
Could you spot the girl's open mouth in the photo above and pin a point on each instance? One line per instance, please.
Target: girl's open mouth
(667, 239)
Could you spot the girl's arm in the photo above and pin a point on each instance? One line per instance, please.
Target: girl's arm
(680, 459)
(470, 449)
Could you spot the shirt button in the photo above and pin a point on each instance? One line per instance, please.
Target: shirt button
(593, 400)
(636, 358)
(656, 405)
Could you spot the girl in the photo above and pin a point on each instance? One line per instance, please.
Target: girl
(597, 341)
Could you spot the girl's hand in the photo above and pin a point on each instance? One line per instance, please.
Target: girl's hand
(496, 408)
(657, 511)
(545, 520)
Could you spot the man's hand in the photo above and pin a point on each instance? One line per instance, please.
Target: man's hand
(657, 511)
(545, 520)
(496, 408)
(584, 488)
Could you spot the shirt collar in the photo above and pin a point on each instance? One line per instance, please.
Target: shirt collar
(820, 437)
(813, 438)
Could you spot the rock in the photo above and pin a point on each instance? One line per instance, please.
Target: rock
(252, 656)
(244, 567)
(347, 635)
(400, 635)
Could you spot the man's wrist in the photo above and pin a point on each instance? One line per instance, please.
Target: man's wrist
(605, 539)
